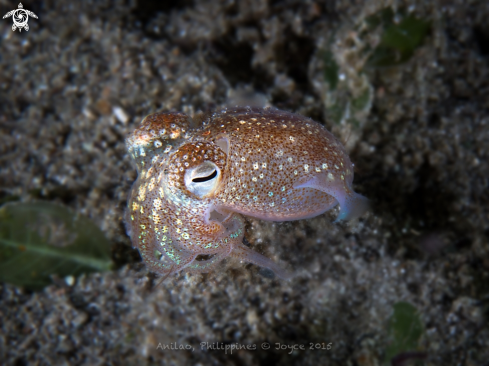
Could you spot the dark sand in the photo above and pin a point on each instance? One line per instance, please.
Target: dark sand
(83, 76)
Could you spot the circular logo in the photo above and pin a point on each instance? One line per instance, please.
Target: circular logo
(20, 18)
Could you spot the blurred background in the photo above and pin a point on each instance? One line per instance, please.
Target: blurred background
(405, 86)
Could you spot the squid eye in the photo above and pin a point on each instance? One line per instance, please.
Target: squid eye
(203, 179)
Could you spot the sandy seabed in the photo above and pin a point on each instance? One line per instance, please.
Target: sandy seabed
(86, 73)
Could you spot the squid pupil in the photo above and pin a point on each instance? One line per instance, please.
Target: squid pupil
(205, 179)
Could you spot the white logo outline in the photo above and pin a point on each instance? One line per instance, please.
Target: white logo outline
(20, 17)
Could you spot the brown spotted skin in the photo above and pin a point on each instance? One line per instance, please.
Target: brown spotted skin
(270, 164)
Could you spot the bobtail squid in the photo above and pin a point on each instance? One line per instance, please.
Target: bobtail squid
(195, 183)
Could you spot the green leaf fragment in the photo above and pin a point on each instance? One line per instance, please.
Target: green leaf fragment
(41, 239)
(331, 70)
(405, 330)
(407, 35)
(399, 41)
